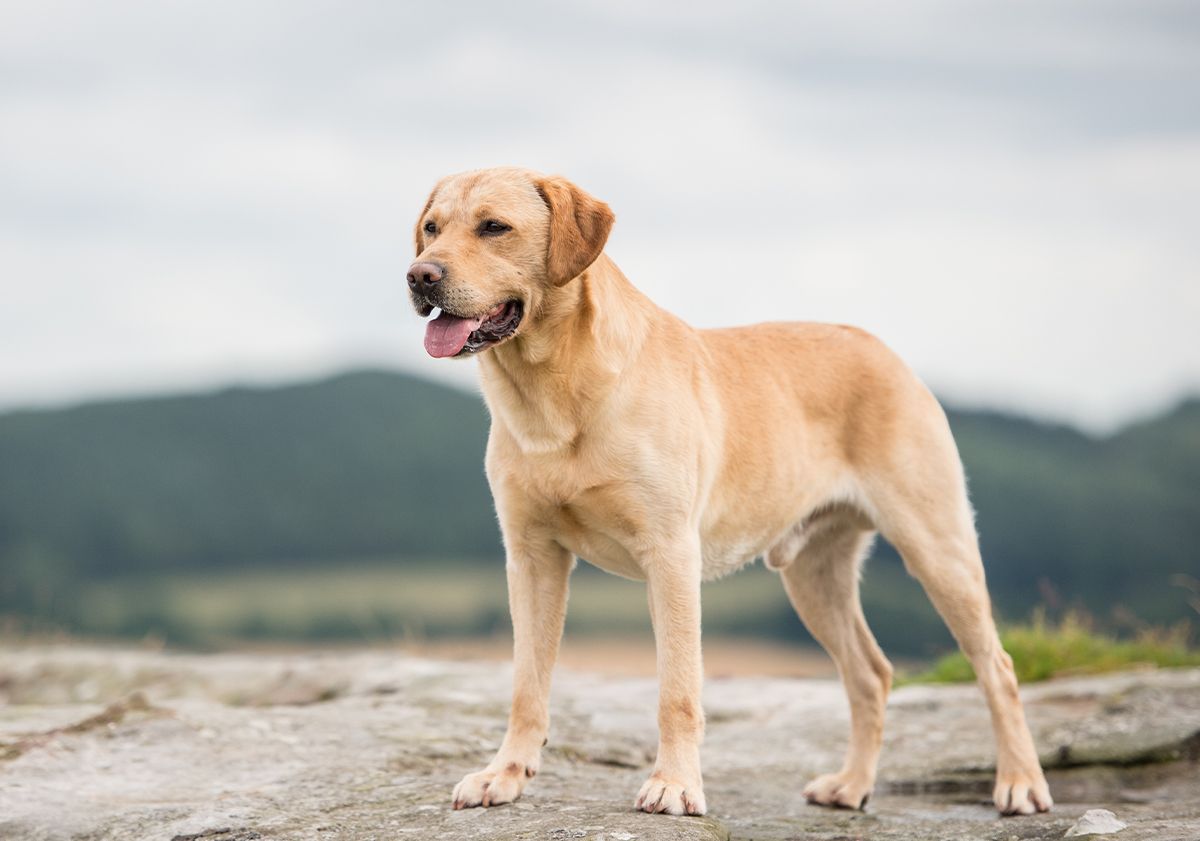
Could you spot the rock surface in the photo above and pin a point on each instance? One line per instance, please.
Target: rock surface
(102, 744)
(1095, 822)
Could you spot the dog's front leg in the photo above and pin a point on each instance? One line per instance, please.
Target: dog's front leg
(673, 581)
(537, 599)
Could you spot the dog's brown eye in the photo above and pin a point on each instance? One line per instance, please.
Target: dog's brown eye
(491, 227)
(431, 227)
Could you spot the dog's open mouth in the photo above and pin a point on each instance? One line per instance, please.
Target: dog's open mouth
(447, 334)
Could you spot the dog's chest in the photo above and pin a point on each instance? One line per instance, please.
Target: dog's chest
(599, 524)
(604, 538)
(597, 514)
(595, 542)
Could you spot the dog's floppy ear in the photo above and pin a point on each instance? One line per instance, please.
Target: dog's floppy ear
(579, 226)
(418, 240)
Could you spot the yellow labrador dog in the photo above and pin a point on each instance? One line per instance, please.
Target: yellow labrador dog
(673, 455)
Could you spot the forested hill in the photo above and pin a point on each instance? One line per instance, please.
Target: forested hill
(373, 465)
(367, 464)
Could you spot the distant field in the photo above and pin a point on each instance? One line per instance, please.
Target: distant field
(416, 602)
(633, 656)
(460, 611)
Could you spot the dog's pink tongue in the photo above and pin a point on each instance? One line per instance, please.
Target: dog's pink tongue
(446, 334)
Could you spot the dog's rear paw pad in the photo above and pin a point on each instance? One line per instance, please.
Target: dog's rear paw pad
(841, 790)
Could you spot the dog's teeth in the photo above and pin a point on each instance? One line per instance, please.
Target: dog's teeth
(434, 313)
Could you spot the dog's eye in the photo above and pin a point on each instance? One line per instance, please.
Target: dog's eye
(491, 228)
(431, 227)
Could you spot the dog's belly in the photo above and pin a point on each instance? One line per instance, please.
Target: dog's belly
(720, 558)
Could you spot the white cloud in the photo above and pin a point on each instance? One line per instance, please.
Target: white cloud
(1004, 191)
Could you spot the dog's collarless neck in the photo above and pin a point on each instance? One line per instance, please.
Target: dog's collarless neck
(549, 386)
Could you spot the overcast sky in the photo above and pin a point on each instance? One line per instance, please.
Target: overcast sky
(1008, 193)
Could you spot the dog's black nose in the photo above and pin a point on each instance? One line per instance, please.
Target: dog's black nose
(423, 276)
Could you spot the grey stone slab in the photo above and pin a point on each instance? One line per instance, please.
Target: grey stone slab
(121, 744)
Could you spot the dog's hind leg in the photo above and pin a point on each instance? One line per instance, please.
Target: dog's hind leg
(922, 509)
(949, 568)
(822, 582)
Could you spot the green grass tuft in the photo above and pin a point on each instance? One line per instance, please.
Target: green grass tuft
(1042, 649)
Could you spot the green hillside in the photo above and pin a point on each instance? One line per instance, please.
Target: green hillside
(366, 464)
(374, 468)
(1105, 523)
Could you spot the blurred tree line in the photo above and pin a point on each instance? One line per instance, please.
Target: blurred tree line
(373, 465)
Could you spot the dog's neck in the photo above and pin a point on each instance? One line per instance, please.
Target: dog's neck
(598, 321)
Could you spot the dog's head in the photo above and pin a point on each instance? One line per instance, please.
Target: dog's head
(492, 247)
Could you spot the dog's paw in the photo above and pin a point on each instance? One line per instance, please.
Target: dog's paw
(493, 786)
(1022, 793)
(671, 796)
(841, 790)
